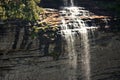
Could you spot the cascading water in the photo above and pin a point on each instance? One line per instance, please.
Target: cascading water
(67, 2)
(72, 25)
(72, 3)
(86, 55)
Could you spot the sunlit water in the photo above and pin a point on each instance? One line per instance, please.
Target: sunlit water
(72, 25)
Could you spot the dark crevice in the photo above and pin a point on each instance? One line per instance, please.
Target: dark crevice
(25, 37)
(17, 33)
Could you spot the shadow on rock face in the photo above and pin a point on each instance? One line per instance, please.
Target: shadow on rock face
(51, 3)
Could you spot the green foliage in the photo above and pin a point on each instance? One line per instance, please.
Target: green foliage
(21, 9)
(44, 27)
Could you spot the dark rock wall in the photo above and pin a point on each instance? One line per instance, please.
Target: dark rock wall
(21, 38)
(51, 3)
(13, 38)
(105, 61)
(23, 55)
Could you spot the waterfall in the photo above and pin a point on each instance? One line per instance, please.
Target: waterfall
(72, 67)
(86, 55)
(72, 3)
(72, 25)
(67, 2)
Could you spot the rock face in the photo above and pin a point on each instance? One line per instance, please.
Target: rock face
(104, 58)
(104, 63)
(23, 53)
(22, 39)
(51, 3)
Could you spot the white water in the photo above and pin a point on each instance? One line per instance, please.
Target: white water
(86, 55)
(72, 3)
(66, 2)
(72, 67)
(72, 25)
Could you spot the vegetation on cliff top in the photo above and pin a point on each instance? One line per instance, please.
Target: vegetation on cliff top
(19, 9)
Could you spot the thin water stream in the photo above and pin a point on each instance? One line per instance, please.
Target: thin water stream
(72, 3)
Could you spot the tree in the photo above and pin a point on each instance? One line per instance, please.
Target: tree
(19, 9)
